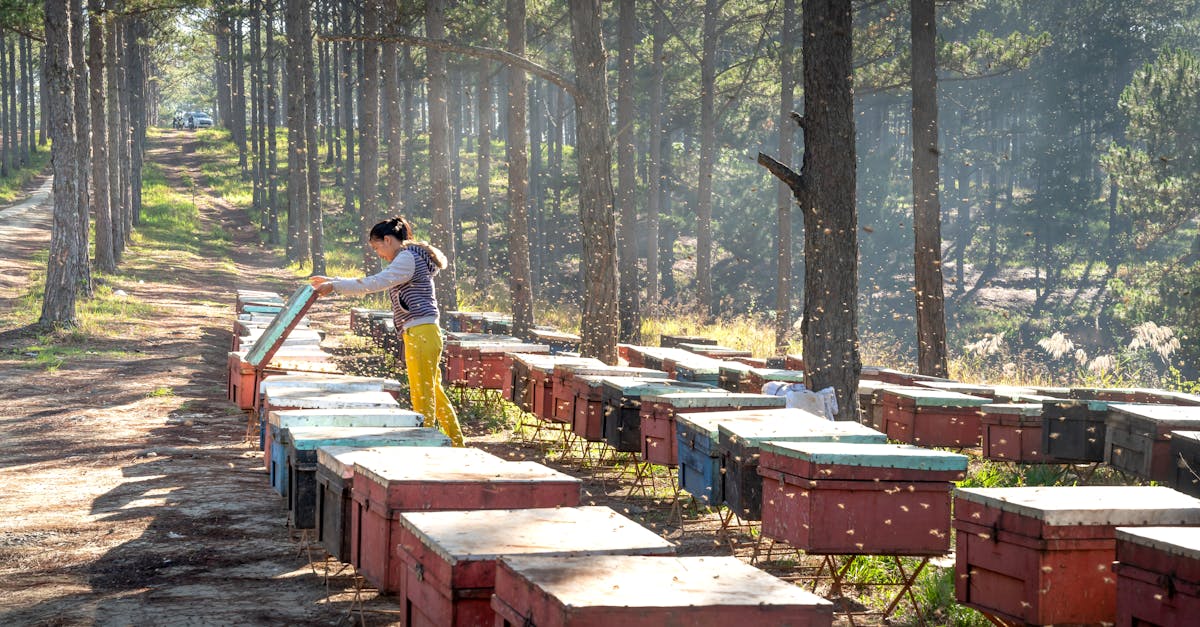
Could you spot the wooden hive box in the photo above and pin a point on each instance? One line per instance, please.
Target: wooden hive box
(1138, 438)
(621, 407)
(566, 388)
(660, 442)
(699, 456)
(455, 349)
(693, 368)
(793, 362)
(1185, 462)
(641, 591)
(438, 483)
(448, 559)
(734, 376)
(760, 376)
(931, 417)
(1158, 576)
(1073, 430)
(360, 319)
(308, 397)
(246, 370)
(590, 417)
(740, 443)
(488, 366)
(301, 444)
(335, 481)
(673, 340)
(1043, 556)
(1012, 432)
(540, 394)
(870, 402)
(858, 499)
(558, 341)
(275, 454)
(714, 351)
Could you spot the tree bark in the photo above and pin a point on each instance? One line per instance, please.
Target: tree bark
(221, 70)
(394, 185)
(708, 150)
(483, 270)
(410, 136)
(137, 117)
(784, 199)
(629, 307)
(347, 108)
(927, 229)
(83, 151)
(312, 146)
(105, 261)
(62, 273)
(6, 133)
(520, 278)
(439, 153)
(655, 188)
(594, 159)
(298, 216)
(369, 125)
(272, 105)
(115, 153)
(237, 73)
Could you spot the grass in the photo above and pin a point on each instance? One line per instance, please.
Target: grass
(12, 187)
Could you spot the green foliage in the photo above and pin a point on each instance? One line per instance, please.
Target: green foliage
(12, 187)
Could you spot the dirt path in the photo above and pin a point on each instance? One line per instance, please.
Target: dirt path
(128, 496)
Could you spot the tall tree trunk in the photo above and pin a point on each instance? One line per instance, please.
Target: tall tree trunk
(83, 151)
(221, 71)
(44, 97)
(105, 261)
(272, 112)
(113, 79)
(783, 199)
(410, 136)
(137, 112)
(256, 120)
(439, 154)
(927, 228)
(629, 307)
(312, 146)
(708, 150)
(369, 123)
(27, 80)
(347, 109)
(62, 273)
(520, 279)
(298, 214)
(237, 66)
(394, 185)
(532, 198)
(594, 159)
(655, 139)
(483, 268)
(6, 133)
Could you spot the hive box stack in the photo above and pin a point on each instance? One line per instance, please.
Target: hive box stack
(565, 387)
(1185, 458)
(660, 442)
(246, 368)
(760, 376)
(558, 341)
(1158, 575)
(489, 365)
(335, 481)
(932, 417)
(1138, 438)
(275, 455)
(621, 406)
(301, 444)
(638, 591)
(537, 395)
(734, 376)
(312, 385)
(693, 368)
(1043, 556)
(715, 351)
(673, 341)
(698, 453)
(1012, 432)
(740, 443)
(450, 479)
(1073, 430)
(858, 499)
(448, 559)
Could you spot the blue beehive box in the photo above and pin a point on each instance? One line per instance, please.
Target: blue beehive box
(700, 457)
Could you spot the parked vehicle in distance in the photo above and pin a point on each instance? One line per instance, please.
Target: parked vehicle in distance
(201, 120)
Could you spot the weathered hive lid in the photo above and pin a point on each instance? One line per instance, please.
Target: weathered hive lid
(316, 398)
(1181, 541)
(340, 460)
(559, 532)
(1013, 409)
(555, 335)
(1091, 404)
(456, 337)
(809, 427)
(1186, 435)
(715, 397)
(633, 386)
(707, 422)
(1091, 505)
(1166, 414)
(513, 347)
(422, 457)
(490, 469)
(284, 321)
(329, 382)
(937, 398)
(735, 367)
(779, 374)
(870, 455)
(312, 438)
(369, 417)
(608, 371)
(642, 581)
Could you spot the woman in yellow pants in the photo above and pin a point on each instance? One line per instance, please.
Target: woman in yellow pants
(408, 279)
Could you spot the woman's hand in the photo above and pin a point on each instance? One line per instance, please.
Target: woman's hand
(322, 285)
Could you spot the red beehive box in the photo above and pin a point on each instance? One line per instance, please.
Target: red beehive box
(931, 417)
(858, 499)
(660, 444)
(415, 481)
(449, 558)
(1158, 575)
(1012, 432)
(1137, 438)
(639, 591)
(793, 362)
(541, 374)
(335, 482)
(1043, 556)
(564, 384)
(486, 366)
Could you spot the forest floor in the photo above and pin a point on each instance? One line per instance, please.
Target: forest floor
(130, 496)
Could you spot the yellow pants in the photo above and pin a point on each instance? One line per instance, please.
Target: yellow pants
(422, 352)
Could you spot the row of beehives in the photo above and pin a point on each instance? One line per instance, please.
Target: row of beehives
(1033, 555)
(463, 537)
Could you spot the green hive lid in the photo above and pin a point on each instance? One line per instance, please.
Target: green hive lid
(735, 366)
(1180, 541)
(707, 422)
(311, 438)
(369, 417)
(938, 398)
(972, 389)
(869, 455)
(801, 428)
(1091, 505)
(1013, 409)
(715, 398)
(779, 374)
(276, 332)
(1170, 414)
(633, 386)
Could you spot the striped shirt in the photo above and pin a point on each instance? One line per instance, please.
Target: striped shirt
(408, 280)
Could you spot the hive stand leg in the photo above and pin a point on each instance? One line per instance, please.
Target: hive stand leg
(997, 621)
(906, 584)
(1084, 475)
(251, 427)
(642, 473)
(677, 504)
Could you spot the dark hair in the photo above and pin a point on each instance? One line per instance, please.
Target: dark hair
(397, 227)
